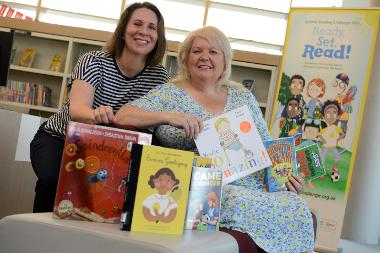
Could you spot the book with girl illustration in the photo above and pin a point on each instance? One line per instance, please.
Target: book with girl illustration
(157, 190)
(203, 210)
(93, 172)
(234, 144)
(282, 153)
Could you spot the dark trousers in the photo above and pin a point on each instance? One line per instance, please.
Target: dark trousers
(45, 155)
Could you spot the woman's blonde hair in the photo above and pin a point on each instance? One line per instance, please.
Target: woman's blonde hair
(215, 37)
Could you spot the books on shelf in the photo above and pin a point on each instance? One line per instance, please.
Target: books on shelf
(56, 62)
(234, 143)
(283, 156)
(93, 172)
(157, 191)
(309, 162)
(27, 57)
(26, 93)
(203, 210)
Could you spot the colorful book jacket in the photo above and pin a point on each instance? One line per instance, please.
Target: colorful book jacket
(27, 57)
(56, 62)
(283, 156)
(93, 172)
(234, 143)
(309, 162)
(200, 161)
(157, 190)
(203, 209)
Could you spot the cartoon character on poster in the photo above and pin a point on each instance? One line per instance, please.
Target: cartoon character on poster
(316, 89)
(332, 133)
(344, 97)
(311, 129)
(293, 114)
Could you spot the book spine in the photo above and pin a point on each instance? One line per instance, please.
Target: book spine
(130, 193)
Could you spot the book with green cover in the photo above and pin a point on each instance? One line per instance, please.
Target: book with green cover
(309, 162)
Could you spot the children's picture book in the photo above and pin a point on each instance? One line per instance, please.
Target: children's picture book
(56, 62)
(93, 172)
(27, 57)
(309, 162)
(234, 144)
(200, 161)
(203, 209)
(283, 156)
(157, 190)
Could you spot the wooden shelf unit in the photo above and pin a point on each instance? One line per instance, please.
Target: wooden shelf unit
(49, 39)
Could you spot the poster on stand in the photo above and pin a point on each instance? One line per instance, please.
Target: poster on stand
(321, 94)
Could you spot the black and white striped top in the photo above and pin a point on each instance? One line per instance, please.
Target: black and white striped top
(112, 87)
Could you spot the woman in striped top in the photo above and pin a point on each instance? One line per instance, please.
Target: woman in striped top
(102, 82)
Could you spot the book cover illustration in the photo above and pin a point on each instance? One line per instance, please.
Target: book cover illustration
(93, 172)
(234, 144)
(27, 57)
(283, 156)
(56, 62)
(157, 191)
(200, 161)
(309, 162)
(203, 210)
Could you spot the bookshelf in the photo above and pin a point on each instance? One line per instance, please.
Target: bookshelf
(50, 39)
(46, 47)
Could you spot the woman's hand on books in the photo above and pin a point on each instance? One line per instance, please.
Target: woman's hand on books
(104, 115)
(190, 123)
(295, 184)
(81, 105)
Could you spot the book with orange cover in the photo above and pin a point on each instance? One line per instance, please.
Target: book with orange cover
(93, 172)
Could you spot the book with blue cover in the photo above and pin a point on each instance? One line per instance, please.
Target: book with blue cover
(203, 209)
(282, 153)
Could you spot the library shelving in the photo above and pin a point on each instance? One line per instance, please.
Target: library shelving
(259, 70)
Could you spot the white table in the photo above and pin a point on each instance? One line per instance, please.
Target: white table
(40, 233)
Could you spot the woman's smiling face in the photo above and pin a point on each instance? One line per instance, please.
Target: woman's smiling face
(141, 32)
(206, 61)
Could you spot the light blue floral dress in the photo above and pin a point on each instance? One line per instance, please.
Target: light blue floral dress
(277, 222)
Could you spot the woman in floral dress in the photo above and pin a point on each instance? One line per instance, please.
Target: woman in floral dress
(276, 222)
